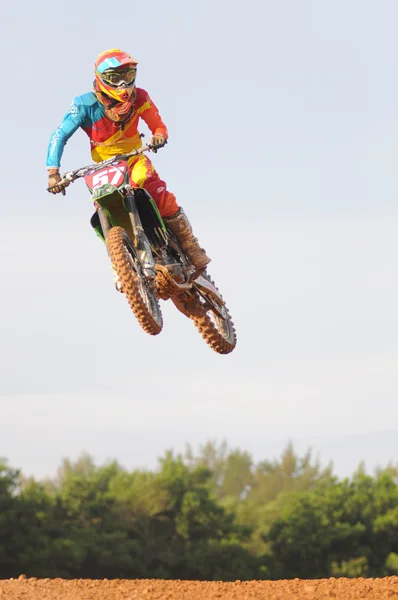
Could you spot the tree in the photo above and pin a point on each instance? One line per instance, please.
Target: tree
(9, 482)
(348, 528)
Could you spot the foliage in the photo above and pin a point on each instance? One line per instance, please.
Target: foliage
(216, 516)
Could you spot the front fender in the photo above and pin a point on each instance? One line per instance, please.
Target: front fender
(100, 194)
(111, 200)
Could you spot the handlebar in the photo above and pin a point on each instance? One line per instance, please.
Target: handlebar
(71, 176)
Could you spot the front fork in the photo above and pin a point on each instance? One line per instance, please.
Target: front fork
(139, 240)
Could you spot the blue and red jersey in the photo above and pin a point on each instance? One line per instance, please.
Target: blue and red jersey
(107, 138)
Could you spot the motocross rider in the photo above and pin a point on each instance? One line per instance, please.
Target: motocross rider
(109, 115)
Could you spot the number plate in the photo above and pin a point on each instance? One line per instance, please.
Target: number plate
(114, 175)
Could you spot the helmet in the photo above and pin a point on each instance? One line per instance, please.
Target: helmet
(115, 73)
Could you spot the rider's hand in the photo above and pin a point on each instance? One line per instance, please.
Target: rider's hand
(158, 141)
(53, 178)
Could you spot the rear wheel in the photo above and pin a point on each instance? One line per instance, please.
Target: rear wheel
(141, 297)
(211, 317)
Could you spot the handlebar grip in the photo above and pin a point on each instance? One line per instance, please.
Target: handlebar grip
(61, 182)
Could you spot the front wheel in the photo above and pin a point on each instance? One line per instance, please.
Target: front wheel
(141, 297)
(211, 317)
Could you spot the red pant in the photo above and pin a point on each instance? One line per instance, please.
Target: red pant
(143, 175)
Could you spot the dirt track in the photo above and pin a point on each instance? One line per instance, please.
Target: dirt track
(83, 589)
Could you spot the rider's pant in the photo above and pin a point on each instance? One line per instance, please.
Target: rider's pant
(143, 175)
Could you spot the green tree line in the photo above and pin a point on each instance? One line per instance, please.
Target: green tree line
(216, 515)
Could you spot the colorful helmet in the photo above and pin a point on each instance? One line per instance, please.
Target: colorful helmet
(115, 73)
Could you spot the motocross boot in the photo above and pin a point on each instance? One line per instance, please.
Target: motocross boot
(182, 229)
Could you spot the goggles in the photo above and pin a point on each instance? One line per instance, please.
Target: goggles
(119, 78)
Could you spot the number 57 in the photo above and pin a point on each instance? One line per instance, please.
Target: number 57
(102, 177)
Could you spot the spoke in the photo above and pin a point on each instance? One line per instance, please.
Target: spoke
(145, 291)
(221, 323)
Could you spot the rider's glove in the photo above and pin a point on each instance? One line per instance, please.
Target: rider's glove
(158, 141)
(54, 178)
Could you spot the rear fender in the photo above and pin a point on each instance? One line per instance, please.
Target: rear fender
(204, 284)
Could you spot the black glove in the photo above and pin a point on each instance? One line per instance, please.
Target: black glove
(158, 141)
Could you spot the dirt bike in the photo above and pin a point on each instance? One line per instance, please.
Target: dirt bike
(148, 260)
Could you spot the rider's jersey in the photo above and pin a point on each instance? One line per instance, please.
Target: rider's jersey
(107, 138)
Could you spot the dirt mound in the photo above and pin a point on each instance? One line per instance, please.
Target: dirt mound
(152, 589)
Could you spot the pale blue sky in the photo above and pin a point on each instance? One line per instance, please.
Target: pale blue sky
(283, 145)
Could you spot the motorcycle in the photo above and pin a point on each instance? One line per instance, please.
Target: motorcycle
(147, 258)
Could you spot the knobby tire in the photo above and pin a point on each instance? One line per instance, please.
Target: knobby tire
(203, 321)
(130, 283)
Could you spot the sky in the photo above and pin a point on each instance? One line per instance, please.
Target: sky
(282, 151)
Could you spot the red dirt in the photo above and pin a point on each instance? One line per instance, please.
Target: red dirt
(152, 589)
